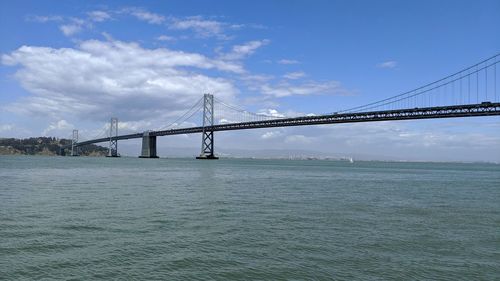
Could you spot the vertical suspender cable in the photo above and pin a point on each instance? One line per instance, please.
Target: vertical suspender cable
(477, 85)
(468, 77)
(461, 100)
(453, 91)
(486, 78)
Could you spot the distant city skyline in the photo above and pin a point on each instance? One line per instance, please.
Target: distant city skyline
(76, 64)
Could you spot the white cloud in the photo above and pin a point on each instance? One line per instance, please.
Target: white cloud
(14, 130)
(237, 26)
(309, 88)
(270, 113)
(6, 127)
(99, 16)
(299, 139)
(387, 64)
(294, 75)
(144, 15)
(165, 38)
(57, 127)
(287, 61)
(201, 26)
(44, 19)
(405, 138)
(271, 135)
(72, 28)
(224, 121)
(71, 25)
(370, 140)
(207, 26)
(256, 78)
(244, 50)
(133, 126)
(99, 79)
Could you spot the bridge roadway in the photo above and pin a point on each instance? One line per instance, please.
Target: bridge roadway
(469, 110)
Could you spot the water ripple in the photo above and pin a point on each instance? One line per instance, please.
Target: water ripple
(65, 218)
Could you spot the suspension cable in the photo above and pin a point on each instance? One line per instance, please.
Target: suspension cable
(389, 100)
(197, 104)
(242, 110)
(428, 90)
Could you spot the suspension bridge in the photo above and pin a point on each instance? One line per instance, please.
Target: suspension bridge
(470, 92)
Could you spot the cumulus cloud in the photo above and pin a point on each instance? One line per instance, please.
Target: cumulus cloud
(388, 64)
(57, 127)
(100, 79)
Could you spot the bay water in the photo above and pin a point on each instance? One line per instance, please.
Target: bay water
(84, 218)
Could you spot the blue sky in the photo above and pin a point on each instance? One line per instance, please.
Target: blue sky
(75, 64)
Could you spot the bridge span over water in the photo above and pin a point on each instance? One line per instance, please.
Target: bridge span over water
(468, 93)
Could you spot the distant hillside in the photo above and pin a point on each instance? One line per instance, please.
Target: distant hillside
(44, 146)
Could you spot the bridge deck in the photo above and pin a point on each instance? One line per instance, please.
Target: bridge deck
(470, 110)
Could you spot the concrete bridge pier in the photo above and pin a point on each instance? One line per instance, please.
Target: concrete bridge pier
(148, 146)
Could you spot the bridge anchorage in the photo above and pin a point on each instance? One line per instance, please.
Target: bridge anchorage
(207, 135)
(113, 142)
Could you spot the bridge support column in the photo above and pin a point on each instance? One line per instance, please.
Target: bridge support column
(113, 142)
(207, 136)
(148, 146)
(74, 142)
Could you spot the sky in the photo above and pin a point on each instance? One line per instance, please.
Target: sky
(75, 64)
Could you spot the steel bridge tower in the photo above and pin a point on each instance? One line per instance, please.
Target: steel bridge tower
(113, 142)
(74, 141)
(207, 136)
